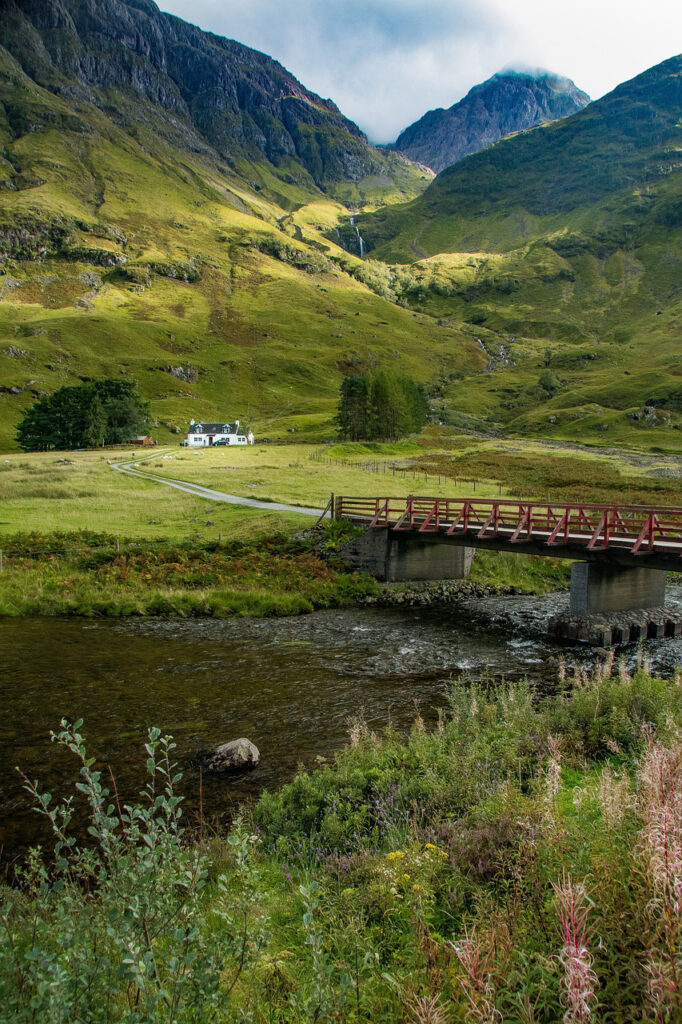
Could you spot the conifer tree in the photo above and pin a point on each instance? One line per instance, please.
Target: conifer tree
(380, 406)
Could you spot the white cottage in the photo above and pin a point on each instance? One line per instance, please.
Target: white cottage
(206, 435)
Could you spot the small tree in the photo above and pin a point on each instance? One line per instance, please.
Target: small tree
(548, 382)
(353, 412)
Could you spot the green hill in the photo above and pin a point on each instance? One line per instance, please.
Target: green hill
(173, 208)
(141, 236)
(561, 248)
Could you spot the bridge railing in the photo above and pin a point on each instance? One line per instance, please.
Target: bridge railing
(635, 528)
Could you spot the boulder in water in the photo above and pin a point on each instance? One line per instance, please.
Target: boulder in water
(241, 753)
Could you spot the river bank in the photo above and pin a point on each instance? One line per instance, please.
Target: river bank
(98, 575)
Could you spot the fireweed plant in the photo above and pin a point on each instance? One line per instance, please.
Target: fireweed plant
(519, 863)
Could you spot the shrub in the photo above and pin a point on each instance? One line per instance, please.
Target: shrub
(121, 930)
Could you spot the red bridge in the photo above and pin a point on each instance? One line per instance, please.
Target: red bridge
(629, 547)
(626, 534)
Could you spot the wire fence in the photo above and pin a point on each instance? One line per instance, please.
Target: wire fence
(402, 471)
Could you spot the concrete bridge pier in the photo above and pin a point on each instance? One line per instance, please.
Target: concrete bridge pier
(395, 559)
(598, 588)
(613, 604)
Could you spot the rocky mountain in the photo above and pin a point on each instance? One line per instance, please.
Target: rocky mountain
(172, 208)
(510, 101)
(196, 89)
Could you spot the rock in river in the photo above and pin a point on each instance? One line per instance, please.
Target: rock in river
(240, 753)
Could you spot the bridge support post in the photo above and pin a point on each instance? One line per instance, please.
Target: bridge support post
(410, 560)
(597, 587)
(395, 559)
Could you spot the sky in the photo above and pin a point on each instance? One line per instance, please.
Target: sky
(386, 62)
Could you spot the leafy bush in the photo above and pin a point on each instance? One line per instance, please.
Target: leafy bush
(521, 862)
(378, 789)
(121, 930)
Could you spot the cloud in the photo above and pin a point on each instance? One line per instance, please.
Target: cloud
(386, 62)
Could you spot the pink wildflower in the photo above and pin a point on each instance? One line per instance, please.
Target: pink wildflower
(660, 781)
(477, 982)
(423, 1010)
(579, 981)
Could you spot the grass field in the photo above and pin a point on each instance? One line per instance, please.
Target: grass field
(56, 492)
(80, 538)
(51, 492)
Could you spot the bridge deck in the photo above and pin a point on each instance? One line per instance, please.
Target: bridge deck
(637, 534)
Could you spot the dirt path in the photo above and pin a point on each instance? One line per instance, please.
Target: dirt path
(131, 468)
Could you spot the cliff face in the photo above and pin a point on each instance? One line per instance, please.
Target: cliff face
(201, 88)
(506, 103)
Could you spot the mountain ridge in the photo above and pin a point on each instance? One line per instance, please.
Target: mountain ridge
(508, 102)
(211, 90)
(561, 247)
(538, 292)
(130, 245)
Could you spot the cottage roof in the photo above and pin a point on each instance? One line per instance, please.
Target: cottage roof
(213, 428)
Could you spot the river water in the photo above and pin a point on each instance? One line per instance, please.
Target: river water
(290, 685)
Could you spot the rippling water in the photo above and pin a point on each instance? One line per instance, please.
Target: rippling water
(290, 685)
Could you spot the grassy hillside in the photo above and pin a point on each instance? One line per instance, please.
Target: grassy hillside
(545, 299)
(214, 287)
(560, 248)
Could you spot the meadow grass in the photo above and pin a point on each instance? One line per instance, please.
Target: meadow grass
(305, 475)
(52, 491)
(47, 497)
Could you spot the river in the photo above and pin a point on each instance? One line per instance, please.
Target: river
(290, 685)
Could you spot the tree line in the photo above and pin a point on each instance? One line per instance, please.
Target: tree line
(380, 406)
(89, 415)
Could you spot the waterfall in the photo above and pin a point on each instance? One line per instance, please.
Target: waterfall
(361, 241)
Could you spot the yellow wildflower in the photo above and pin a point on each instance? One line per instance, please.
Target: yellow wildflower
(396, 855)
(435, 849)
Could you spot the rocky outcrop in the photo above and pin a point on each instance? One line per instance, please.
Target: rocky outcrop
(241, 753)
(508, 102)
(212, 93)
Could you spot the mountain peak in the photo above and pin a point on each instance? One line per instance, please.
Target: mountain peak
(512, 100)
